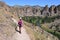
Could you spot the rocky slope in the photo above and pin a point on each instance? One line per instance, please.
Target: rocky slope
(6, 24)
(42, 35)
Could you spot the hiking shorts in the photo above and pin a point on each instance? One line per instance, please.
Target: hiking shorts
(20, 25)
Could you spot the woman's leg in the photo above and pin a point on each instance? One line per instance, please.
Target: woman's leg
(19, 29)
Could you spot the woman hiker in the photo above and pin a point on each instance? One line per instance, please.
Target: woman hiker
(20, 24)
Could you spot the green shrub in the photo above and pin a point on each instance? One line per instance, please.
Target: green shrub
(34, 19)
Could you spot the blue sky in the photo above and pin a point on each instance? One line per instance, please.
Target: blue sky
(32, 2)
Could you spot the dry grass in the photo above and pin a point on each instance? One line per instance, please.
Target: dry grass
(30, 32)
(34, 34)
(6, 25)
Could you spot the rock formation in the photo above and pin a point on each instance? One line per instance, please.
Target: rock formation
(32, 10)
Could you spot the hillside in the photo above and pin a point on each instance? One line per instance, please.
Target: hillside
(6, 26)
(37, 33)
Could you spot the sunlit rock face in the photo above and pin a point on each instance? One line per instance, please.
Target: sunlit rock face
(58, 7)
(32, 10)
(53, 10)
(45, 11)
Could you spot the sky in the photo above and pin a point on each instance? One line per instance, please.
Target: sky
(32, 2)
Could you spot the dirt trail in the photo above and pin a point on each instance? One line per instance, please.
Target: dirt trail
(22, 36)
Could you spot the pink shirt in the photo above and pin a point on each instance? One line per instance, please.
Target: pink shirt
(20, 22)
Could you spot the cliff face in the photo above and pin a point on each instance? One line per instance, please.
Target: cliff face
(32, 10)
(38, 11)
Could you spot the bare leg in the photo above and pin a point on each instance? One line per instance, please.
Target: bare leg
(19, 29)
